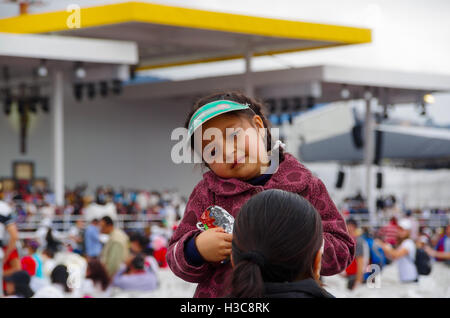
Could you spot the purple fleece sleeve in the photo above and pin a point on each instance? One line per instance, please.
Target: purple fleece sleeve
(339, 249)
(176, 258)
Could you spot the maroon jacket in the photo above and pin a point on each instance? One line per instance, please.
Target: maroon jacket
(231, 194)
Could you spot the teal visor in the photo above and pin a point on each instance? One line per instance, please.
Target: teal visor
(211, 110)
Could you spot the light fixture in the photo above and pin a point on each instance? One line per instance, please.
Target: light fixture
(80, 72)
(45, 104)
(78, 91)
(367, 94)
(117, 86)
(429, 98)
(91, 90)
(272, 105)
(284, 105)
(345, 92)
(42, 70)
(298, 105)
(310, 102)
(104, 88)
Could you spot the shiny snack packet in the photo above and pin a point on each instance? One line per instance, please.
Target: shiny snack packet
(216, 216)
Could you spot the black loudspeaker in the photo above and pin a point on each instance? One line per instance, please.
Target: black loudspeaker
(379, 180)
(378, 147)
(340, 179)
(357, 136)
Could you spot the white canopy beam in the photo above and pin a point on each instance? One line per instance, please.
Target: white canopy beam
(64, 48)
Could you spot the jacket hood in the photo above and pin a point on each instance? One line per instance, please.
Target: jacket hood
(291, 176)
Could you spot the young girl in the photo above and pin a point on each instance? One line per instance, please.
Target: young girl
(277, 248)
(201, 256)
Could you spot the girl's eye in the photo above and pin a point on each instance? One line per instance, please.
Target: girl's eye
(234, 134)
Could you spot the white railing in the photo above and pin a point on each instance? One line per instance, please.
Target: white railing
(65, 222)
(434, 221)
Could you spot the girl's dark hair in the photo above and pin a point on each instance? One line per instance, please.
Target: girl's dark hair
(257, 108)
(276, 237)
(97, 273)
(60, 275)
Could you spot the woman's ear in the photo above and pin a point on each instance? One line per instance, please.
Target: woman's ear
(317, 264)
(231, 259)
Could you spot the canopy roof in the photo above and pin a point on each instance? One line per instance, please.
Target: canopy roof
(400, 143)
(168, 35)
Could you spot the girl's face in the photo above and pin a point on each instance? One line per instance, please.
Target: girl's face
(241, 153)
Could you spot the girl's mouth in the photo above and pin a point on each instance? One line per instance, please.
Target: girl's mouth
(237, 162)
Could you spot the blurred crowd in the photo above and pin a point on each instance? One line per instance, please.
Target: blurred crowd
(414, 249)
(96, 255)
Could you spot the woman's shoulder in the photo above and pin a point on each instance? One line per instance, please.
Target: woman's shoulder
(307, 288)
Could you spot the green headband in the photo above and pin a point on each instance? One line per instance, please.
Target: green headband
(211, 110)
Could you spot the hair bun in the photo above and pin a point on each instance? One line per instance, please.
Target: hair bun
(255, 257)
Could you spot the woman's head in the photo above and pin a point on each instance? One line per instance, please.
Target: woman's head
(277, 237)
(242, 151)
(97, 273)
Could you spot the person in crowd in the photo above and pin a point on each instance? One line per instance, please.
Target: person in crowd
(136, 277)
(355, 272)
(33, 265)
(76, 237)
(93, 246)
(139, 244)
(18, 285)
(31, 247)
(195, 255)
(389, 232)
(52, 243)
(414, 225)
(404, 254)
(48, 261)
(115, 251)
(97, 281)
(59, 287)
(443, 246)
(9, 257)
(277, 248)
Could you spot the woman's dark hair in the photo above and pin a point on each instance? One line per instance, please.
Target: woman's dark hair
(60, 275)
(256, 105)
(97, 273)
(276, 237)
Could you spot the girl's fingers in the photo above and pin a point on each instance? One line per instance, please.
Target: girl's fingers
(226, 252)
(228, 237)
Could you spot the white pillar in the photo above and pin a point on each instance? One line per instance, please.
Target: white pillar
(58, 136)
(368, 160)
(249, 89)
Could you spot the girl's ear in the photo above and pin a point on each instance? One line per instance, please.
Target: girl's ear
(317, 264)
(259, 124)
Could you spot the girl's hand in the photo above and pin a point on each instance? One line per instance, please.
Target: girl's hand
(214, 245)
